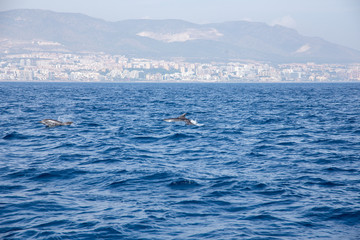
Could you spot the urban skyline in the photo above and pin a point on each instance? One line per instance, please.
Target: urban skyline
(101, 67)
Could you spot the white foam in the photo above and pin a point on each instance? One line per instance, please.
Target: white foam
(196, 123)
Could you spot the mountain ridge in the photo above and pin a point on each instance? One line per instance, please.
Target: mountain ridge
(225, 41)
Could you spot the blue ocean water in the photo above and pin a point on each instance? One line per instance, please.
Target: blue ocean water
(266, 161)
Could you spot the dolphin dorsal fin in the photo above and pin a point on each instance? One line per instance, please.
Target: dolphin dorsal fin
(182, 116)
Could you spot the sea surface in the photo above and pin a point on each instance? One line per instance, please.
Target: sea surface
(264, 161)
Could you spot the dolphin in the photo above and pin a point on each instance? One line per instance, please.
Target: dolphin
(179, 119)
(54, 123)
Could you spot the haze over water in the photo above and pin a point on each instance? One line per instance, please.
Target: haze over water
(267, 161)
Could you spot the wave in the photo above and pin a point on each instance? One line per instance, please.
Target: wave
(179, 136)
(59, 174)
(183, 184)
(15, 136)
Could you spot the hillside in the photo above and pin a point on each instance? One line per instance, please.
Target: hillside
(22, 30)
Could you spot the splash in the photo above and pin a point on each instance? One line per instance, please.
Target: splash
(196, 123)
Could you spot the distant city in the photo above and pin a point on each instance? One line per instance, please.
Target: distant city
(100, 67)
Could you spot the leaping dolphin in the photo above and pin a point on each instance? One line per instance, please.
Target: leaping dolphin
(54, 123)
(179, 119)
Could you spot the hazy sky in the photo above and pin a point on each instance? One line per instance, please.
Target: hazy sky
(337, 21)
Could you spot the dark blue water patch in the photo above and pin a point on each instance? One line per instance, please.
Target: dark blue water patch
(286, 143)
(58, 174)
(357, 132)
(340, 170)
(263, 217)
(29, 234)
(191, 213)
(259, 186)
(265, 120)
(339, 215)
(192, 203)
(7, 189)
(23, 173)
(255, 154)
(346, 216)
(107, 161)
(91, 124)
(331, 141)
(119, 183)
(179, 136)
(72, 157)
(266, 147)
(271, 192)
(233, 131)
(53, 224)
(158, 176)
(139, 227)
(9, 231)
(15, 136)
(310, 181)
(40, 206)
(112, 150)
(145, 139)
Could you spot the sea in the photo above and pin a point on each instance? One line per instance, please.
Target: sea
(263, 161)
